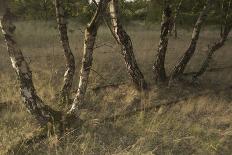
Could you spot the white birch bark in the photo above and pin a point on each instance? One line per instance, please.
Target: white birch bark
(89, 41)
(32, 101)
(127, 48)
(181, 65)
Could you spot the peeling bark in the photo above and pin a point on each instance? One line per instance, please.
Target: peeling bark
(127, 47)
(225, 30)
(89, 41)
(158, 67)
(32, 101)
(70, 61)
(181, 65)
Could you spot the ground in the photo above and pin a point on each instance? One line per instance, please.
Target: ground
(198, 119)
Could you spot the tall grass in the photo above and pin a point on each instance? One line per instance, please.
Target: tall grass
(200, 125)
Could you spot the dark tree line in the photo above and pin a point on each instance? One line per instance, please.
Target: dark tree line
(141, 10)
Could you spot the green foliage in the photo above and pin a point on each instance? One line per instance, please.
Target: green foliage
(44, 9)
(139, 10)
(31, 9)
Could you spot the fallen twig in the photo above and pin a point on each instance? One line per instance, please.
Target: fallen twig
(157, 105)
(98, 74)
(210, 70)
(115, 85)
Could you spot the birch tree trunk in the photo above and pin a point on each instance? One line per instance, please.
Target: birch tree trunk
(70, 61)
(225, 30)
(127, 47)
(211, 50)
(32, 101)
(177, 12)
(158, 67)
(89, 41)
(181, 65)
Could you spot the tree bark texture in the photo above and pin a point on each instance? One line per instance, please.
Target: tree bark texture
(107, 21)
(70, 61)
(211, 50)
(225, 30)
(127, 47)
(89, 41)
(34, 104)
(158, 67)
(181, 65)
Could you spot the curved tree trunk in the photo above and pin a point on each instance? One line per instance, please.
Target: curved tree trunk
(107, 22)
(127, 47)
(89, 41)
(70, 61)
(34, 104)
(180, 67)
(158, 67)
(211, 50)
(225, 30)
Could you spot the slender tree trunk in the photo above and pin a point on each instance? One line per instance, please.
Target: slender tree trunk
(70, 61)
(45, 10)
(225, 30)
(177, 12)
(89, 41)
(211, 50)
(127, 47)
(34, 104)
(107, 22)
(158, 67)
(180, 67)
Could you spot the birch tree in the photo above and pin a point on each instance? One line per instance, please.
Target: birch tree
(181, 65)
(126, 45)
(158, 67)
(70, 61)
(225, 30)
(32, 101)
(89, 42)
(177, 12)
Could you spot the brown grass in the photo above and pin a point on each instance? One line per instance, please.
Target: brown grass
(198, 125)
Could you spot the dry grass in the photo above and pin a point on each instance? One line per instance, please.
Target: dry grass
(198, 125)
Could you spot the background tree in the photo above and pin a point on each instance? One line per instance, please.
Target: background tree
(226, 27)
(181, 65)
(177, 12)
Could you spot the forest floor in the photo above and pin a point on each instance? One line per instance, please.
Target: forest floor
(197, 119)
